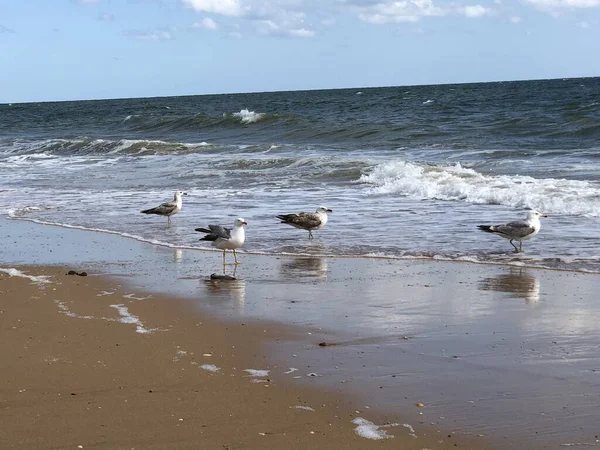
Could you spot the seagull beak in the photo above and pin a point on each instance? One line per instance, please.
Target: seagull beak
(185, 193)
(329, 210)
(544, 215)
(244, 223)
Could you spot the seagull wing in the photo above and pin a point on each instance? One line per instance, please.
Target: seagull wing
(302, 220)
(162, 209)
(215, 232)
(514, 230)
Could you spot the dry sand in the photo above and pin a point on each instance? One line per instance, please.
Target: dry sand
(78, 372)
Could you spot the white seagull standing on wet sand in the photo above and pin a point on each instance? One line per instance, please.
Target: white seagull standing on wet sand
(307, 221)
(168, 208)
(520, 230)
(225, 238)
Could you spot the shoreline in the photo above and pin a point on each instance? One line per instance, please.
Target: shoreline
(367, 361)
(518, 264)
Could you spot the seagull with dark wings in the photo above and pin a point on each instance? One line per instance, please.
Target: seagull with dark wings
(226, 238)
(168, 208)
(520, 230)
(307, 221)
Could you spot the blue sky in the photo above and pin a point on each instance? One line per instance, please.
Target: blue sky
(85, 49)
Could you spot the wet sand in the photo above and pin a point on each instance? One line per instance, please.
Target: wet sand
(507, 353)
(88, 364)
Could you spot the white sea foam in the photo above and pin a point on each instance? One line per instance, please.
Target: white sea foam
(26, 159)
(247, 116)
(210, 368)
(411, 430)
(305, 408)
(456, 183)
(127, 317)
(257, 372)
(40, 279)
(17, 212)
(369, 430)
(64, 309)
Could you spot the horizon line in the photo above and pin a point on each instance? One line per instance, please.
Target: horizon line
(295, 90)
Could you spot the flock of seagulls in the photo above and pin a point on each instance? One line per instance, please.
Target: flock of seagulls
(224, 238)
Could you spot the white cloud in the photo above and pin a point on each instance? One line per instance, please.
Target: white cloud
(271, 28)
(87, 1)
(397, 11)
(515, 19)
(553, 6)
(584, 24)
(206, 23)
(302, 32)
(268, 17)
(152, 35)
(223, 7)
(474, 11)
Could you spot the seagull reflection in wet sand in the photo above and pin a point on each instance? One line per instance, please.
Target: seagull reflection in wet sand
(233, 290)
(519, 284)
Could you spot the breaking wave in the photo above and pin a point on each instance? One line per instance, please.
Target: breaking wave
(457, 183)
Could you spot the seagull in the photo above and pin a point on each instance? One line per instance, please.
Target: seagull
(307, 221)
(520, 230)
(168, 208)
(226, 238)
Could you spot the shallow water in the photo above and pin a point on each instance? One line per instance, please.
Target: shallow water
(408, 171)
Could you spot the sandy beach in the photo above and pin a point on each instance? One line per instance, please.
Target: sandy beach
(89, 365)
(147, 352)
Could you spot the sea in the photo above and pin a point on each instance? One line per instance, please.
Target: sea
(408, 171)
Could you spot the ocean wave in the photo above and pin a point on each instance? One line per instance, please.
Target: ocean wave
(200, 121)
(21, 152)
(456, 183)
(247, 116)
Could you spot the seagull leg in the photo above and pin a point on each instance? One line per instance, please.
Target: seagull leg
(520, 246)
(516, 248)
(224, 264)
(235, 257)
(168, 220)
(310, 235)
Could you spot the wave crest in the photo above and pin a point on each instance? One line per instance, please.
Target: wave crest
(247, 116)
(456, 183)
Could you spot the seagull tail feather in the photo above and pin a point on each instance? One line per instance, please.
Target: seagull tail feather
(486, 228)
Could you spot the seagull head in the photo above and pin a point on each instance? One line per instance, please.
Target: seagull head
(323, 209)
(535, 215)
(239, 222)
(179, 194)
